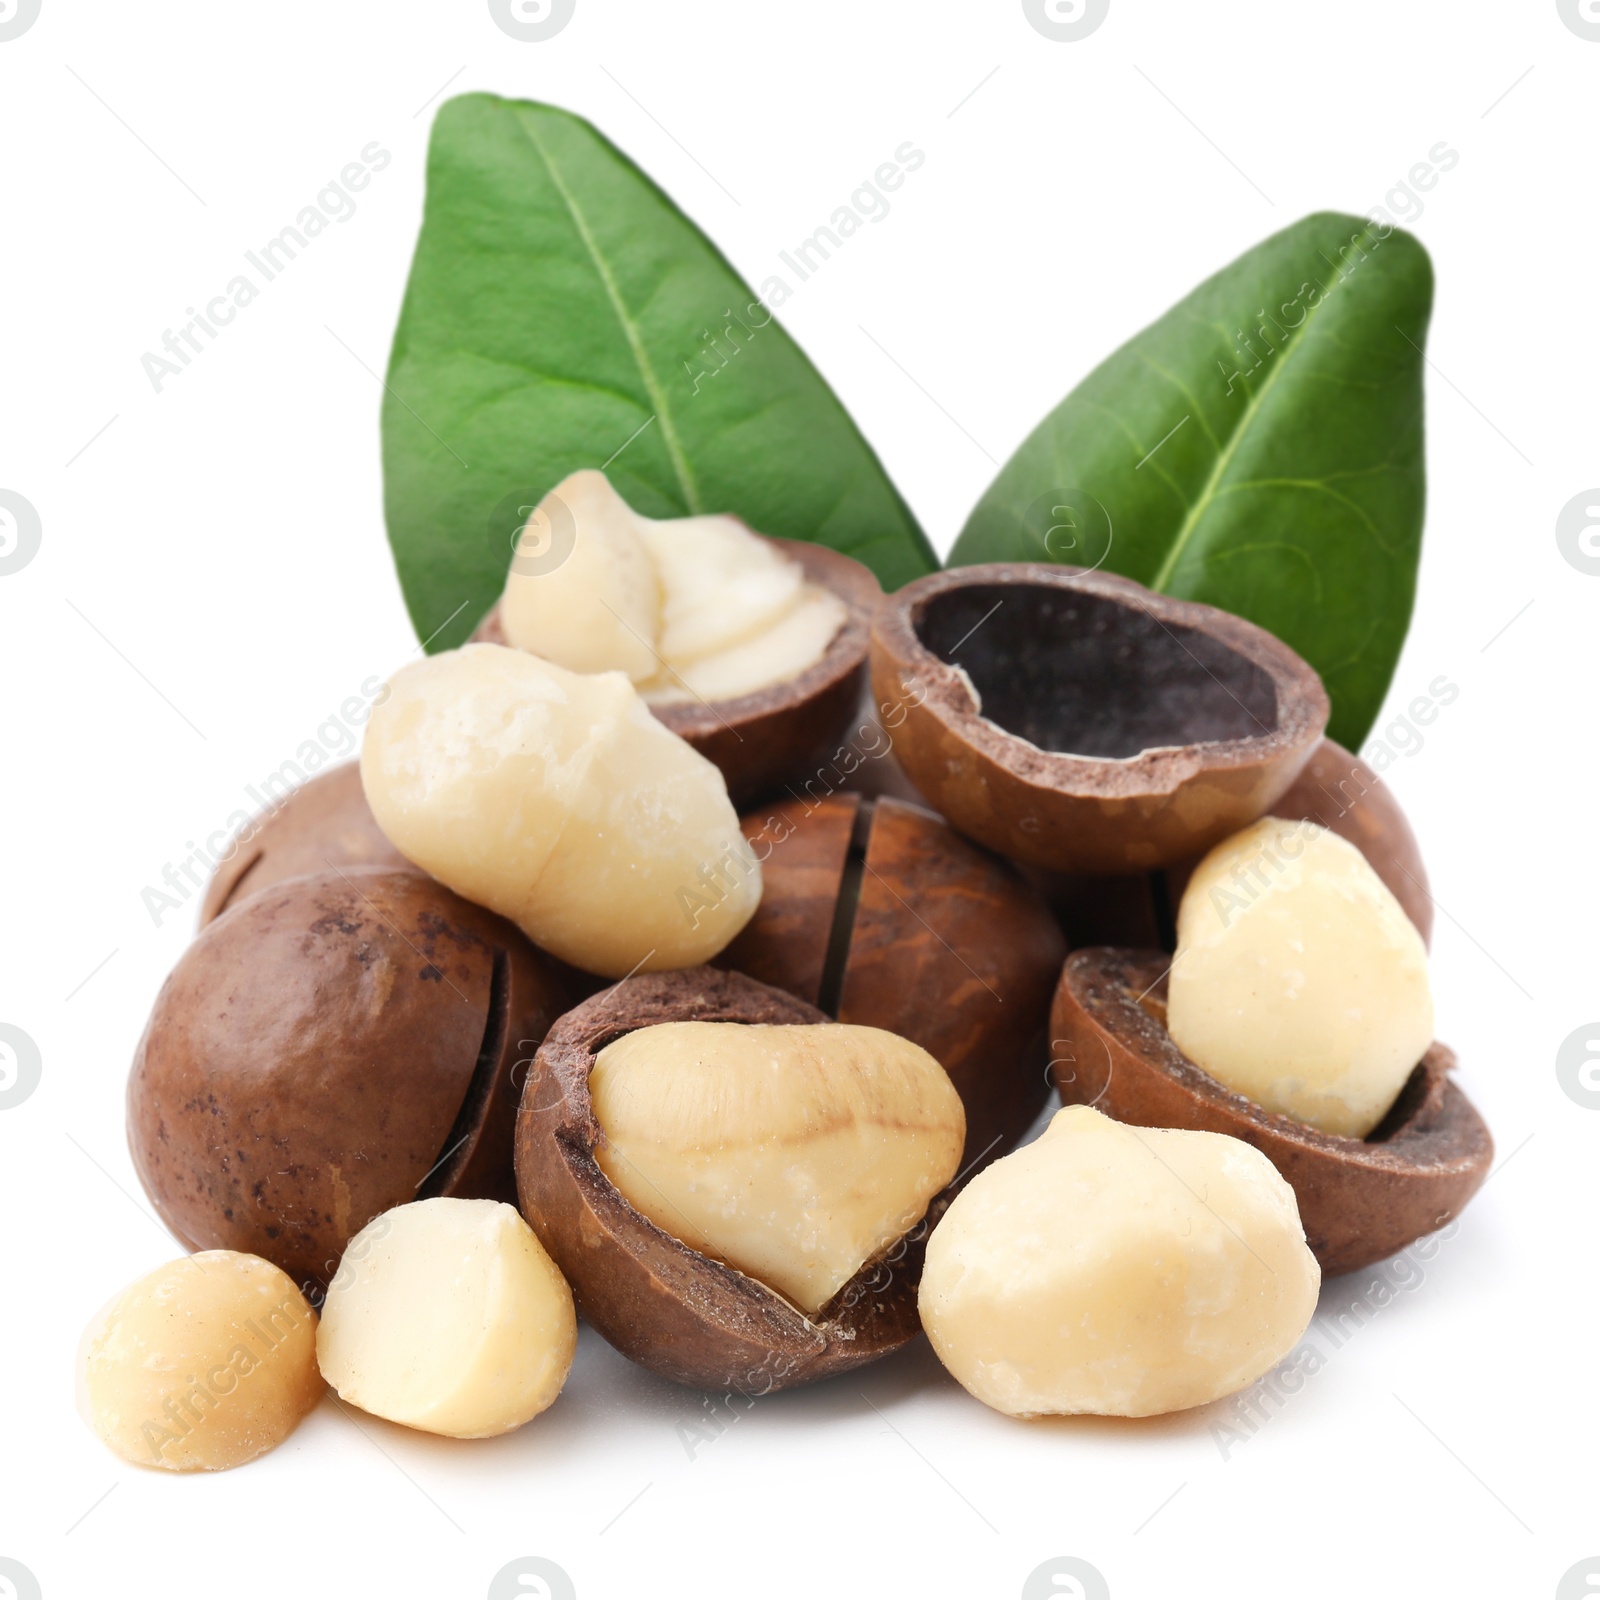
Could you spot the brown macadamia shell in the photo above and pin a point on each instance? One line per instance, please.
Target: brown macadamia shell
(682, 1314)
(1094, 726)
(324, 824)
(331, 1047)
(1335, 789)
(1360, 1199)
(883, 915)
(1342, 793)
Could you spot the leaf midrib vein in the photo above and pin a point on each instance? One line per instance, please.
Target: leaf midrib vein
(1225, 456)
(657, 394)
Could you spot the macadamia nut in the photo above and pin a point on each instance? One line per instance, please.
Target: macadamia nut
(556, 799)
(203, 1364)
(794, 1153)
(447, 1315)
(1299, 981)
(582, 590)
(1117, 1271)
(694, 608)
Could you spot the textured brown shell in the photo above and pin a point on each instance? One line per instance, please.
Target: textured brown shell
(671, 1309)
(330, 1047)
(779, 734)
(325, 823)
(1336, 789)
(1360, 1199)
(945, 945)
(1346, 796)
(1076, 813)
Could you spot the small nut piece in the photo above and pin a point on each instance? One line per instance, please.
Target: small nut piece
(447, 1315)
(794, 1153)
(692, 609)
(203, 1364)
(1299, 981)
(1117, 1271)
(554, 798)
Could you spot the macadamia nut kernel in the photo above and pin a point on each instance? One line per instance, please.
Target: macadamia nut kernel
(203, 1364)
(792, 1152)
(1298, 980)
(556, 799)
(447, 1315)
(1117, 1271)
(695, 608)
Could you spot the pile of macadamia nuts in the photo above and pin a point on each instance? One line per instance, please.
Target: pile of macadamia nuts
(653, 969)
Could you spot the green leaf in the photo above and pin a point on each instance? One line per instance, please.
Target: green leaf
(1258, 448)
(559, 307)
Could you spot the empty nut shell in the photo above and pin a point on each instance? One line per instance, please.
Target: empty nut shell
(1077, 721)
(679, 1313)
(1360, 1199)
(762, 740)
(330, 1048)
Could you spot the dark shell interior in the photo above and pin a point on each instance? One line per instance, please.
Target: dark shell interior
(1083, 674)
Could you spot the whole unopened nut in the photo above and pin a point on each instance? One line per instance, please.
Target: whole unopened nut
(1335, 789)
(330, 1048)
(1360, 1199)
(554, 798)
(1117, 1271)
(883, 915)
(1078, 722)
(1342, 793)
(685, 1314)
(323, 825)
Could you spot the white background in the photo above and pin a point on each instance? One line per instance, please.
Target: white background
(213, 581)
